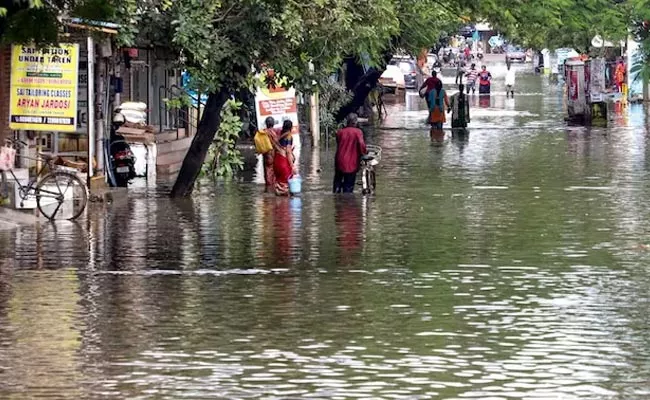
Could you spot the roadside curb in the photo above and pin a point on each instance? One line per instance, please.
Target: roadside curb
(11, 219)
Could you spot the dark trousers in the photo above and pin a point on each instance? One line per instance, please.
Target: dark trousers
(344, 183)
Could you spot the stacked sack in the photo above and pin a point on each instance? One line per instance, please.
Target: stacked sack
(135, 115)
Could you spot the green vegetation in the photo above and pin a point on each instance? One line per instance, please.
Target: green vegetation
(559, 23)
(224, 157)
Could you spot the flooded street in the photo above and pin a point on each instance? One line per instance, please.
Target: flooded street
(512, 263)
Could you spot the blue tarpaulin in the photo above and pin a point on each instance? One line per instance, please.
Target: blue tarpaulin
(185, 81)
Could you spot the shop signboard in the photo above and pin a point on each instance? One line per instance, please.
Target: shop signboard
(576, 101)
(82, 93)
(44, 84)
(274, 100)
(597, 76)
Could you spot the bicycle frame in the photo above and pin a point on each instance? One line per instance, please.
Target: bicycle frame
(24, 191)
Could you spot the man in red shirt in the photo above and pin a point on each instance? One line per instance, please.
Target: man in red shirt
(350, 146)
(430, 84)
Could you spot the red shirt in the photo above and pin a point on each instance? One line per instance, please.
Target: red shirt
(350, 146)
(430, 83)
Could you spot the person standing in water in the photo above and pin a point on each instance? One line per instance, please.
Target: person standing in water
(428, 86)
(460, 72)
(472, 76)
(510, 82)
(269, 157)
(284, 159)
(459, 107)
(484, 78)
(350, 146)
(438, 103)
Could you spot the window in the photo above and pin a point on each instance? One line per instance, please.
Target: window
(406, 67)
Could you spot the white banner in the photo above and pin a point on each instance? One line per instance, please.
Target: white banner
(279, 103)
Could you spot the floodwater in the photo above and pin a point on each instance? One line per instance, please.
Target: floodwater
(512, 263)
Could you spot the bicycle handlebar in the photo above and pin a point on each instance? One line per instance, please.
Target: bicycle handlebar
(15, 141)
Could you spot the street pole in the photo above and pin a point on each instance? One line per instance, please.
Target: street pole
(91, 106)
(99, 122)
(314, 120)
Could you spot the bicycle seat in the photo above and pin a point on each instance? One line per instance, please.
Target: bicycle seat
(367, 157)
(46, 157)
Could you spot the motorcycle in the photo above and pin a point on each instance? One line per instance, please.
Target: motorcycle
(121, 158)
(123, 162)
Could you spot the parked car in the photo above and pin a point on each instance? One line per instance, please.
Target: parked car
(392, 78)
(433, 61)
(514, 53)
(409, 70)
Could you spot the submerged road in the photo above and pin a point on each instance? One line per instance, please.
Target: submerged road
(510, 264)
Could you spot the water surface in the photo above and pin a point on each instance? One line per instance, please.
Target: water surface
(512, 263)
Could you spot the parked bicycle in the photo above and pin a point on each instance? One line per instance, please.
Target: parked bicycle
(59, 193)
(368, 163)
(376, 99)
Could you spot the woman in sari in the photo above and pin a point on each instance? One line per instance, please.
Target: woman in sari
(619, 75)
(459, 109)
(269, 158)
(438, 101)
(283, 162)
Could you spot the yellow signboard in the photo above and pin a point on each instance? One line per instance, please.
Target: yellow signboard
(44, 88)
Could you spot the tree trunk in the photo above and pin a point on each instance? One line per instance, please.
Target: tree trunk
(362, 88)
(208, 127)
(360, 92)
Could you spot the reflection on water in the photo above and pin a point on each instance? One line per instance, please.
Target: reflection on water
(506, 262)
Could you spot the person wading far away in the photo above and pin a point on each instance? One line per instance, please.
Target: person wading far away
(428, 86)
(472, 77)
(459, 107)
(350, 146)
(484, 81)
(510, 82)
(284, 160)
(439, 103)
(269, 174)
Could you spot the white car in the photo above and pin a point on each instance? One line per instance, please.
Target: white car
(392, 78)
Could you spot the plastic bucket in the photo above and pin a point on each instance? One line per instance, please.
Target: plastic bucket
(295, 184)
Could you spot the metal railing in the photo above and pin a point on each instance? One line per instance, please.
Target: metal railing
(185, 117)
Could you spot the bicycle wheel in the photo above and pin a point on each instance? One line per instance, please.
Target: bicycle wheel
(61, 195)
(373, 181)
(366, 181)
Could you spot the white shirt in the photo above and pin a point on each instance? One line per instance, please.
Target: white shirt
(510, 77)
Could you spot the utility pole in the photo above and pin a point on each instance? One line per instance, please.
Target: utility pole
(91, 106)
(314, 120)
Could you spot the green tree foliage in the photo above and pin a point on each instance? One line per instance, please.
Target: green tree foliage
(558, 23)
(41, 21)
(223, 157)
(223, 42)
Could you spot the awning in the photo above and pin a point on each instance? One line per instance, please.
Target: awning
(97, 26)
